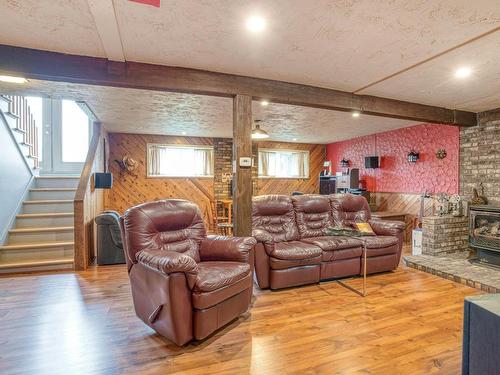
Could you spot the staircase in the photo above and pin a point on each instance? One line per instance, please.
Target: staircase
(42, 235)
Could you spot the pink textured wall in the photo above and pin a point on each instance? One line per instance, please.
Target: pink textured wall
(396, 174)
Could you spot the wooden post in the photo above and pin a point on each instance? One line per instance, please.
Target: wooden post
(242, 178)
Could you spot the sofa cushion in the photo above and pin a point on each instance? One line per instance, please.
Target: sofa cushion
(274, 215)
(313, 213)
(216, 275)
(330, 243)
(342, 254)
(294, 250)
(377, 242)
(348, 209)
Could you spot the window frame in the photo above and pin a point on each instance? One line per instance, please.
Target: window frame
(178, 146)
(275, 150)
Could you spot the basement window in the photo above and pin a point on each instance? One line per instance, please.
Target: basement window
(283, 164)
(180, 161)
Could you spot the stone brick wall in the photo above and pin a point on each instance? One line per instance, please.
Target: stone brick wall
(223, 167)
(223, 151)
(444, 234)
(480, 157)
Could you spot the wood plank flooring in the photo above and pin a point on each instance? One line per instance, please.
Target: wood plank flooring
(84, 323)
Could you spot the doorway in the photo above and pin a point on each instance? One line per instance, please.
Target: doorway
(66, 136)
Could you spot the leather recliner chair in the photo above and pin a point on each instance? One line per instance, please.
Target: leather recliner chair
(185, 285)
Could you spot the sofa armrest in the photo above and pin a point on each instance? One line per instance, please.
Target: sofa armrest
(237, 249)
(262, 236)
(168, 262)
(387, 227)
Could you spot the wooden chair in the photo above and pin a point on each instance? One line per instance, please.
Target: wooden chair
(221, 223)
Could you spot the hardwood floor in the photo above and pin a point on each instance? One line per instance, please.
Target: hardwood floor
(84, 323)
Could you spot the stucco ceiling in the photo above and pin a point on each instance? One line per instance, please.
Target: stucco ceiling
(402, 49)
(153, 112)
(345, 45)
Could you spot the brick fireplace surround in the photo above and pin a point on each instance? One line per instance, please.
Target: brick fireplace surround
(479, 162)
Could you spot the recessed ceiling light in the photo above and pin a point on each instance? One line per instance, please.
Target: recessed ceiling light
(355, 114)
(264, 103)
(12, 79)
(256, 24)
(463, 72)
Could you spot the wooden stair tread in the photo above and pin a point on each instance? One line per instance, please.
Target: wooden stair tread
(37, 245)
(41, 229)
(49, 201)
(35, 263)
(53, 189)
(45, 214)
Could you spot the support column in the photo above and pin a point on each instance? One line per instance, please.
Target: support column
(242, 174)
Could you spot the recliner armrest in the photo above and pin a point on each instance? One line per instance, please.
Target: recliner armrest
(236, 249)
(167, 262)
(262, 236)
(387, 227)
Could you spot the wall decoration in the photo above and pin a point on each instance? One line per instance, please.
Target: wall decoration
(443, 204)
(413, 156)
(456, 205)
(441, 153)
(127, 166)
(477, 199)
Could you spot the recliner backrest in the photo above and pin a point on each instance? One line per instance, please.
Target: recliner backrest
(349, 208)
(171, 224)
(313, 214)
(275, 215)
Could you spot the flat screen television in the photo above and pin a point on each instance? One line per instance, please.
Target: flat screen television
(372, 162)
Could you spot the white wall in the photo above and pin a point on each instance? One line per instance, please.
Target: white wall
(15, 177)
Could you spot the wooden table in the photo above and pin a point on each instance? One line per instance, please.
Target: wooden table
(389, 215)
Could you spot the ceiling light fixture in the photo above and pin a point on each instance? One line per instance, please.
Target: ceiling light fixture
(355, 114)
(463, 72)
(294, 139)
(12, 79)
(264, 103)
(183, 133)
(258, 133)
(256, 24)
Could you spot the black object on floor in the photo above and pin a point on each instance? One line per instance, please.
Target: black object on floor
(109, 239)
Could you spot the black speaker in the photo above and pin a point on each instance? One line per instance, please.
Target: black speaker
(103, 180)
(371, 162)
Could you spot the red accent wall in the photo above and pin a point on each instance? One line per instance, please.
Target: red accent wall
(396, 174)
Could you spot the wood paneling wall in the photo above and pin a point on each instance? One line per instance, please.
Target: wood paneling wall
(402, 202)
(287, 186)
(88, 202)
(129, 191)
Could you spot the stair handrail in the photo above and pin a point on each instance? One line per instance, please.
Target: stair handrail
(85, 204)
(26, 124)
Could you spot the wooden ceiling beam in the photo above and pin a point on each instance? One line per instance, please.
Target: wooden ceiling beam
(54, 66)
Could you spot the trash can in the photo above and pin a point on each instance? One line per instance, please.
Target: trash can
(109, 239)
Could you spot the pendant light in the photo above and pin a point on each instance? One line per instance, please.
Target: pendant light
(258, 133)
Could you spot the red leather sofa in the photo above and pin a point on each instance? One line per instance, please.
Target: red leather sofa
(293, 247)
(185, 284)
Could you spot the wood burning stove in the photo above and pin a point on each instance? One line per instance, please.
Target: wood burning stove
(484, 233)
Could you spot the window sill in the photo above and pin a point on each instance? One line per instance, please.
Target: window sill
(282, 178)
(178, 177)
